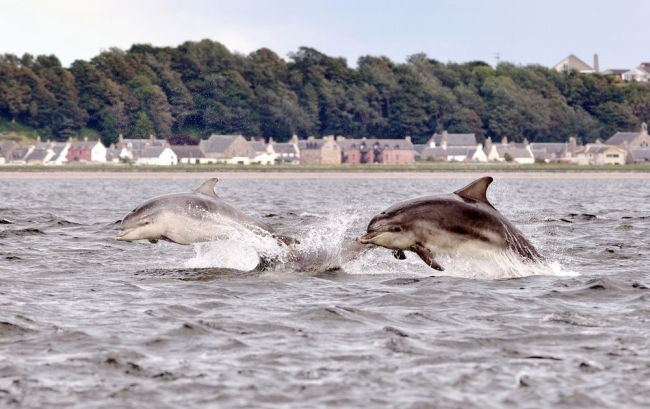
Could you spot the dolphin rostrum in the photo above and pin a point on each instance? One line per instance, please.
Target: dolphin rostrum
(463, 222)
(187, 218)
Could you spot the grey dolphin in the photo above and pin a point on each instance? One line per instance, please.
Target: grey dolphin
(463, 221)
(187, 218)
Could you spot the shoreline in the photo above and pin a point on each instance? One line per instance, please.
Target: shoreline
(332, 175)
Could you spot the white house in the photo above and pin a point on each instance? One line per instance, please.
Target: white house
(264, 154)
(638, 74)
(509, 151)
(191, 155)
(573, 63)
(157, 155)
(598, 154)
(98, 152)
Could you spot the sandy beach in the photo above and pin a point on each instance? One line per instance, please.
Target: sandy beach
(248, 175)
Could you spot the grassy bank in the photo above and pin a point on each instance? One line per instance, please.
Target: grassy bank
(418, 167)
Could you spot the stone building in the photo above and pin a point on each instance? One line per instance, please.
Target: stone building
(324, 151)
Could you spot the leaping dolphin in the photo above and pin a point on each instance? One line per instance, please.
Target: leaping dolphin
(463, 222)
(188, 218)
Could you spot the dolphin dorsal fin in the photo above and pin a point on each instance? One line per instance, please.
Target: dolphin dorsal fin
(207, 188)
(476, 190)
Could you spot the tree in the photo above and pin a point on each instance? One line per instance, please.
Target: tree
(143, 127)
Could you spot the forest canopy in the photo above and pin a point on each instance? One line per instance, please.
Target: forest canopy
(199, 88)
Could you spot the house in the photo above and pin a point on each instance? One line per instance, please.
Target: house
(373, 150)
(39, 156)
(509, 151)
(86, 151)
(19, 155)
(638, 74)
(319, 151)
(573, 63)
(157, 155)
(639, 155)
(453, 154)
(130, 148)
(630, 140)
(7, 148)
(599, 154)
(452, 147)
(554, 151)
(60, 150)
(264, 154)
(397, 151)
(356, 151)
(446, 140)
(113, 155)
(233, 149)
(616, 72)
(287, 152)
(191, 155)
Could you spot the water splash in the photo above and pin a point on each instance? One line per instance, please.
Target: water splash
(486, 266)
(324, 244)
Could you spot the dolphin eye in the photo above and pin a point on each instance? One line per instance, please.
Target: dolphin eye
(396, 229)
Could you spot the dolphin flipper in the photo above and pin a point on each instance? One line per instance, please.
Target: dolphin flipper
(427, 256)
(399, 254)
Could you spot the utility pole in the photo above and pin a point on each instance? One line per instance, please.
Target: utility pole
(497, 56)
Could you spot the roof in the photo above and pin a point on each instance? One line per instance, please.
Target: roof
(437, 152)
(137, 144)
(640, 155)
(456, 139)
(558, 148)
(400, 144)
(6, 145)
(38, 154)
(151, 152)
(19, 153)
(513, 151)
(460, 151)
(258, 146)
(217, 143)
(187, 151)
(599, 148)
(616, 71)
(83, 145)
(310, 143)
(284, 148)
(419, 147)
(112, 153)
(573, 63)
(619, 138)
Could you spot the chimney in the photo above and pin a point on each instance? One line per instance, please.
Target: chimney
(596, 65)
(408, 139)
(644, 128)
(573, 145)
(504, 140)
(85, 139)
(294, 139)
(487, 145)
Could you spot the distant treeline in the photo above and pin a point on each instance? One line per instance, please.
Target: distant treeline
(201, 87)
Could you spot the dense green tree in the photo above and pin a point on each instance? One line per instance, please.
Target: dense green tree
(201, 87)
(143, 127)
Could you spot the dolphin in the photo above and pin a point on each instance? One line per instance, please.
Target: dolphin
(461, 222)
(187, 218)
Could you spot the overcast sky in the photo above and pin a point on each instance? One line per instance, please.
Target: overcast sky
(522, 32)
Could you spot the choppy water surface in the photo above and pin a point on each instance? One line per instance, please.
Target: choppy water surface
(88, 321)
